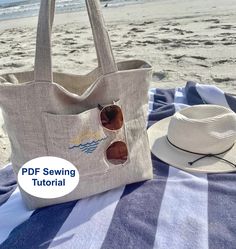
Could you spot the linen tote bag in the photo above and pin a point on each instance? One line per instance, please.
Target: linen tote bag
(57, 114)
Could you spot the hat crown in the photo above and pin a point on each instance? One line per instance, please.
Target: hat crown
(204, 129)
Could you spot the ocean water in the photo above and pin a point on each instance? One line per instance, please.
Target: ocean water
(10, 9)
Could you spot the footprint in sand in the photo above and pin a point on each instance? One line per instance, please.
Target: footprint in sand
(150, 42)
(14, 64)
(72, 51)
(127, 56)
(150, 37)
(229, 43)
(220, 80)
(208, 43)
(114, 35)
(136, 30)
(202, 65)
(182, 31)
(225, 26)
(19, 53)
(213, 27)
(156, 76)
(128, 44)
(69, 41)
(198, 57)
(146, 42)
(214, 20)
(177, 57)
(173, 24)
(222, 62)
(59, 54)
(165, 41)
(175, 45)
(69, 32)
(147, 22)
(5, 54)
(141, 24)
(164, 29)
(226, 34)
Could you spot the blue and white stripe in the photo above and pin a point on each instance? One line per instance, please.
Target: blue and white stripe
(175, 210)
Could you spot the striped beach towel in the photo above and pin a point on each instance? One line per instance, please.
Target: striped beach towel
(175, 210)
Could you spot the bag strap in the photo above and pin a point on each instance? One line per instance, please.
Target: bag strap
(43, 55)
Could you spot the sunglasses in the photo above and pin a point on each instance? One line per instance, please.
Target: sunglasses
(111, 117)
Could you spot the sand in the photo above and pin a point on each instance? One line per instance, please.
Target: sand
(183, 40)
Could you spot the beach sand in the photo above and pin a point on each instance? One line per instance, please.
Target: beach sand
(183, 40)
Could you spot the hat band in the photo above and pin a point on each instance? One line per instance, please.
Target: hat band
(204, 155)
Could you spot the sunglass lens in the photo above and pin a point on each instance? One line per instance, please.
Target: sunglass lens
(117, 153)
(112, 117)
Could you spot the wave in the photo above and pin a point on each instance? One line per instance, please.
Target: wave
(26, 8)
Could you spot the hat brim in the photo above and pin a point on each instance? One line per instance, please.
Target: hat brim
(169, 154)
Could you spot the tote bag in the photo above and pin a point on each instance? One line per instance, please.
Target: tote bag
(57, 114)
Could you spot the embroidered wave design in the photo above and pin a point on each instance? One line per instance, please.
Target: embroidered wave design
(89, 147)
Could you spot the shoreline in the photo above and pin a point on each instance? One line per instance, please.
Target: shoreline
(68, 17)
(153, 9)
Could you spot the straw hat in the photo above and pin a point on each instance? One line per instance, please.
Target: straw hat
(197, 139)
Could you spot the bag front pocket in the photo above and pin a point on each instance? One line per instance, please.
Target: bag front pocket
(80, 139)
(77, 138)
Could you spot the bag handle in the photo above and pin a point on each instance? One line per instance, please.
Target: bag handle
(43, 55)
